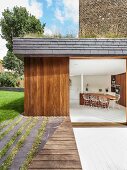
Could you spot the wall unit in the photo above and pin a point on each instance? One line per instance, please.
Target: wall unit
(113, 83)
(121, 80)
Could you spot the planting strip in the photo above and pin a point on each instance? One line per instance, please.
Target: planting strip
(6, 164)
(7, 124)
(14, 137)
(35, 145)
(10, 128)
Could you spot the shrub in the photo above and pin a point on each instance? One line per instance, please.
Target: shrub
(7, 79)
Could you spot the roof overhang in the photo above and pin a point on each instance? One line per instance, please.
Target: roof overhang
(50, 47)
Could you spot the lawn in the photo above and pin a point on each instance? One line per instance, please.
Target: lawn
(11, 104)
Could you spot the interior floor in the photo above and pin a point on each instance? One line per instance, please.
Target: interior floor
(91, 114)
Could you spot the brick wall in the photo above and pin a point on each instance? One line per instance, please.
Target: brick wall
(103, 18)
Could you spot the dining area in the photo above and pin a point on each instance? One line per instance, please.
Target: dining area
(97, 107)
(99, 100)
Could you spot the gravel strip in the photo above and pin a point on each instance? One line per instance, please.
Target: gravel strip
(9, 124)
(9, 150)
(22, 154)
(51, 126)
(7, 137)
(8, 162)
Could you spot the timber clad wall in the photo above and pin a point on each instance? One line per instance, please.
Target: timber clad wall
(46, 86)
(121, 80)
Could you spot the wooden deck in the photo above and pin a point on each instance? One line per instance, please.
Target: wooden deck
(60, 152)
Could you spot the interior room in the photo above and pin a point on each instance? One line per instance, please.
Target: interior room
(98, 90)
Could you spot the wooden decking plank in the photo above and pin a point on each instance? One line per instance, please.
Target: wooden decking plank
(51, 142)
(60, 152)
(61, 139)
(64, 136)
(60, 146)
(55, 164)
(56, 157)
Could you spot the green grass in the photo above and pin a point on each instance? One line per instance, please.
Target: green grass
(11, 104)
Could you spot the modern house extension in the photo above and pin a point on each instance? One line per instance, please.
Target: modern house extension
(51, 74)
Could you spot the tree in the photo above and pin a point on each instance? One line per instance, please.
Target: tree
(17, 23)
(12, 63)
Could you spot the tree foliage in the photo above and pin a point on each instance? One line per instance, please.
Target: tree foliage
(7, 79)
(17, 23)
(12, 63)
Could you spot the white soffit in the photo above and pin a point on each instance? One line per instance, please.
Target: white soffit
(97, 66)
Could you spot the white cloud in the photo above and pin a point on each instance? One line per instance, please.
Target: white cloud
(48, 31)
(59, 15)
(49, 2)
(53, 30)
(33, 6)
(69, 11)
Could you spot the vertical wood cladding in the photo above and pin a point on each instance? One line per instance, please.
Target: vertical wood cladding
(46, 86)
(121, 80)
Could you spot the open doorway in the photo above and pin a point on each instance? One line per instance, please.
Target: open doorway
(98, 90)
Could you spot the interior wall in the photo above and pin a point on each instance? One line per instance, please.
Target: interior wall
(95, 83)
(75, 87)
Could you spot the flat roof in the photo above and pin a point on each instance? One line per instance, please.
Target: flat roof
(25, 47)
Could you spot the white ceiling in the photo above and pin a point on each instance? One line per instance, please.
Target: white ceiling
(97, 66)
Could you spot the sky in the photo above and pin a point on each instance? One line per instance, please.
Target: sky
(60, 16)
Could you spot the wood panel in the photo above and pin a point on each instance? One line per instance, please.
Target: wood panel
(46, 86)
(98, 124)
(60, 152)
(121, 80)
